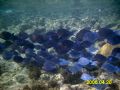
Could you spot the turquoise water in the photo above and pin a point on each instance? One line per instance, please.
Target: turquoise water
(11, 11)
(63, 8)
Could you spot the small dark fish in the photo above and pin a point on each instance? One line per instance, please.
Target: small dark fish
(116, 52)
(75, 68)
(18, 59)
(28, 44)
(90, 67)
(114, 39)
(22, 35)
(39, 60)
(67, 43)
(100, 58)
(110, 35)
(92, 49)
(90, 36)
(49, 67)
(37, 47)
(61, 49)
(2, 47)
(74, 54)
(86, 76)
(86, 44)
(33, 38)
(63, 33)
(36, 61)
(8, 36)
(118, 70)
(51, 39)
(105, 33)
(5, 35)
(15, 53)
(49, 44)
(30, 52)
(36, 37)
(14, 47)
(41, 39)
(86, 54)
(52, 58)
(7, 55)
(21, 49)
(52, 36)
(64, 46)
(81, 33)
(117, 32)
(8, 43)
(40, 47)
(83, 61)
(43, 53)
(40, 52)
(20, 42)
(63, 62)
(113, 60)
(26, 61)
(77, 46)
(109, 68)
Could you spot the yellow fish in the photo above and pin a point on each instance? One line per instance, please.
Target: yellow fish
(106, 49)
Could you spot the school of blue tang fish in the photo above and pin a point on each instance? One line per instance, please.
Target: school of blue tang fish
(70, 55)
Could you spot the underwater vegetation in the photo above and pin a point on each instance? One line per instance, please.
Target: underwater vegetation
(77, 58)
